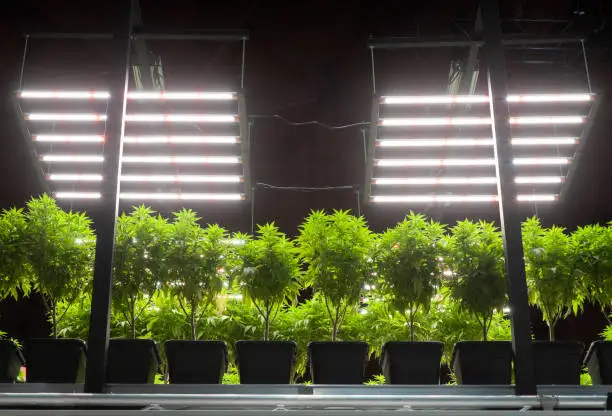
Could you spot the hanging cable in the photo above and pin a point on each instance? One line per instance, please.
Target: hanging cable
(303, 188)
(23, 61)
(358, 195)
(310, 123)
(586, 65)
(373, 73)
(253, 211)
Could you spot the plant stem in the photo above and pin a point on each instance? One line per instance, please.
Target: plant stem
(411, 325)
(54, 317)
(132, 307)
(266, 328)
(551, 330)
(194, 335)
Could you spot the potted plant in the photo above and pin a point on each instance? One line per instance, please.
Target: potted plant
(139, 267)
(337, 249)
(553, 287)
(408, 269)
(270, 278)
(473, 253)
(196, 260)
(591, 247)
(14, 280)
(59, 253)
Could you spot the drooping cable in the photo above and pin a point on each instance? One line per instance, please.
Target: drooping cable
(310, 123)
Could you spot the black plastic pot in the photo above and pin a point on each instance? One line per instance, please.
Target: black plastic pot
(483, 362)
(11, 361)
(51, 360)
(557, 362)
(196, 362)
(412, 362)
(265, 362)
(599, 362)
(337, 362)
(132, 361)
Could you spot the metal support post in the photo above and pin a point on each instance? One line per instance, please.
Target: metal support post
(508, 205)
(105, 224)
(245, 144)
(371, 147)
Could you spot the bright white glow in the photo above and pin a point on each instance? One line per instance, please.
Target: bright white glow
(434, 198)
(175, 95)
(182, 118)
(539, 179)
(181, 159)
(435, 99)
(65, 117)
(181, 178)
(448, 273)
(181, 139)
(435, 181)
(549, 98)
(458, 198)
(541, 160)
(435, 162)
(77, 195)
(536, 198)
(68, 138)
(93, 95)
(72, 158)
(488, 180)
(74, 177)
(435, 121)
(433, 142)
(538, 141)
(548, 120)
(181, 196)
(506, 310)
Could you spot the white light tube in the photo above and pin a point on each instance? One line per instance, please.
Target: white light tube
(182, 118)
(433, 142)
(181, 139)
(549, 98)
(434, 198)
(544, 141)
(77, 195)
(541, 160)
(435, 99)
(65, 117)
(435, 162)
(537, 198)
(539, 179)
(181, 196)
(435, 121)
(72, 158)
(68, 138)
(547, 120)
(79, 177)
(181, 178)
(175, 95)
(91, 95)
(181, 159)
(435, 181)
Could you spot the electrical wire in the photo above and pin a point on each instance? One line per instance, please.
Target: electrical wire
(304, 188)
(309, 123)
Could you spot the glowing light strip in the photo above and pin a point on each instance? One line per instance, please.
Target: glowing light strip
(89, 95)
(79, 177)
(523, 141)
(182, 178)
(549, 98)
(459, 198)
(182, 118)
(181, 196)
(435, 121)
(65, 117)
(181, 139)
(77, 195)
(72, 158)
(436, 99)
(175, 95)
(484, 180)
(541, 160)
(181, 159)
(433, 142)
(434, 162)
(548, 120)
(68, 138)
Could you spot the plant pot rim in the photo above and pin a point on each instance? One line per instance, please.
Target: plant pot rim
(16, 349)
(593, 347)
(491, 343)
(261, 341)
(337, 343)
(194, 341)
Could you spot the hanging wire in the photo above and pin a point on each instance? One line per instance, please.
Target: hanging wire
(365, 146)
(358, 195)
(253, 210)
(373, 72)
(23, 60)
(586, 65)
(311, 123)
(243, 63)
(304, 188)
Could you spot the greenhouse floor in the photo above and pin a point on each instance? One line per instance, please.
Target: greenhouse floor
(256, 400)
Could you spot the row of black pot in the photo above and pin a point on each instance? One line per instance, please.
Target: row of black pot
(273, 362)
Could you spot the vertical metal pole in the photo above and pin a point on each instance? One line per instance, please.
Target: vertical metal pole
(245, 143)
(95, 376)
(508, 205)
(371, 147)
